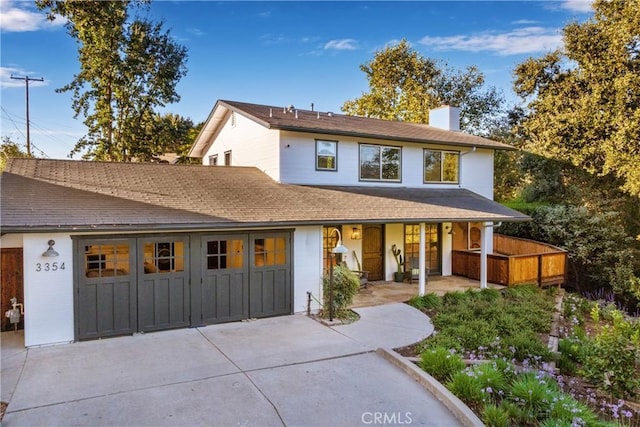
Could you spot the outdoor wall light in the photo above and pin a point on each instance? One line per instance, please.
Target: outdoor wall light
(355, 234)
(449, 230)
(50, 253)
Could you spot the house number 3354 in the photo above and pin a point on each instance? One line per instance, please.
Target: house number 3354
(49, 266)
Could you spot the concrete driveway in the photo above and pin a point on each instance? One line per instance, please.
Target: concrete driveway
(287, 370)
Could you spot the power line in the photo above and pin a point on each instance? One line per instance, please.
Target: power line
(27, 79)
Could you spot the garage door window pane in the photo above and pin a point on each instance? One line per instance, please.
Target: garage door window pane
(106, 260)
(223, 254)
(163, 257)
(270, 251)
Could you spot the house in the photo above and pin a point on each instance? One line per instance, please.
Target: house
(118, 248)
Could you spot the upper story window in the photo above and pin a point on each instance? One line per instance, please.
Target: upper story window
(326, 155)
(441, 166)
(380, 163)
(213, 160)
(227, 158)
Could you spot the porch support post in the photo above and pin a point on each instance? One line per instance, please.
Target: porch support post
(483, 255)
(422, 260)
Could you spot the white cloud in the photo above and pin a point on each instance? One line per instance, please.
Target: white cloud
(583, 6)
(525, 22)
(7, 82)
(196, 31)
(19, 18)
(344, 44)
(520, 41)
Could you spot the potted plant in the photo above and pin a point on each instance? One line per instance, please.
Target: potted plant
(398, 276)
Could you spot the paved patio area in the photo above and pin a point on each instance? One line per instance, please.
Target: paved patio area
(382, 292)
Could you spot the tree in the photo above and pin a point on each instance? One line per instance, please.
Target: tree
(404, 85)
(584, 100)
(128, 68)
(8, 149)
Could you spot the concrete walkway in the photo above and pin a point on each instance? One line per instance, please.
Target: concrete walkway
(288, 370)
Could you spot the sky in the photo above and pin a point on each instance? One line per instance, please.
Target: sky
(274, 53)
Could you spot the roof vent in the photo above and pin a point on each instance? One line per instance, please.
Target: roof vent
(270, 112)
(330, 114)
(296, 114)
(291, 108)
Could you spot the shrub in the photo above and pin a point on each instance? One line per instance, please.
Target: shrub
(416, 302)
(566, 410)
(454, 298)
(345, 286)
(534, 394)
(611, 361)
(495, 416)
(432, 301)
(492, 379)
(466, 385)
(525, 344)
(441, 363)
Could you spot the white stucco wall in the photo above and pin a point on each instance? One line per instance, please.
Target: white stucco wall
(250, 143)
(476, 172)
(394, 235)
(48, 294)
(307, 267)
(297, 162)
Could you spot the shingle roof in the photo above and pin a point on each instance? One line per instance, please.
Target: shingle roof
(38, 195)
(282, 118)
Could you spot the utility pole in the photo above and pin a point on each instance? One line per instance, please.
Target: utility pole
(27, 79)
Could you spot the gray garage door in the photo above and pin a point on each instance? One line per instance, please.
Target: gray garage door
(163, 283)
(106, 288)
(245, 276)
(142, 284)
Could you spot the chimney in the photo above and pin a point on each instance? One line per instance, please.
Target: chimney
(445, 117)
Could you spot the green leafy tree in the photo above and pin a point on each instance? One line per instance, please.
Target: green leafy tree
(584, 100)
(404, 85)
(128, 68)
(8, 149)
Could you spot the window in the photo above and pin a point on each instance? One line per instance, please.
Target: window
(380, 163)
(412, 247)
(227, 158)
(441, 166)
(106, 260)
(326, 155)
(270, 251)
(163, 257)
(222, 254)
(213, 160)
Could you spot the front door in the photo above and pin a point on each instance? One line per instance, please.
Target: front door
(163, 283)
(11, 270)
(372, 254)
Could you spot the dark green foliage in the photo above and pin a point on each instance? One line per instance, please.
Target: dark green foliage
(129, 68)
(494, 324)
(404, 85)
(345, 286)
(495, 416)
(428, 301)
(441, 363)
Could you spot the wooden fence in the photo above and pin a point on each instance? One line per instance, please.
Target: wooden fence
(515, 261)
